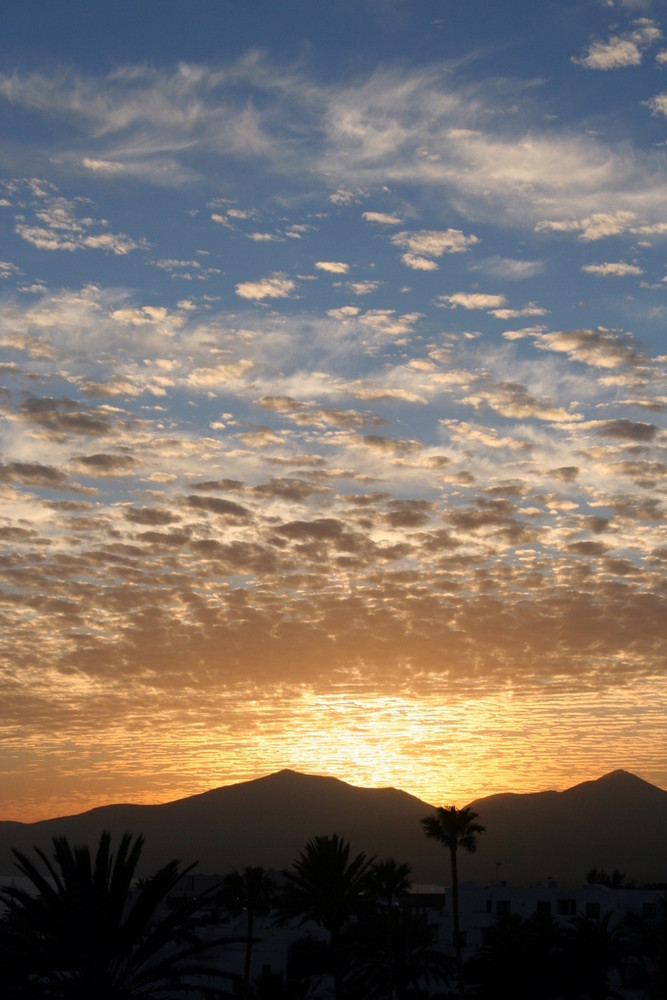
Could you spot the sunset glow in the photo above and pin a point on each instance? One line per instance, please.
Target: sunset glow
(332, 412)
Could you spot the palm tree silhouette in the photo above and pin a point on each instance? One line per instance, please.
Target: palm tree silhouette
(455, 828)
(251, 890)
(395, 957)
(326, 886)
(390, 879)
(85, 930)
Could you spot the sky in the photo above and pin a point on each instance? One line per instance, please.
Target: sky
(332, 412)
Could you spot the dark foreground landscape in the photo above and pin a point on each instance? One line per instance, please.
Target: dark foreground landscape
(311, 888)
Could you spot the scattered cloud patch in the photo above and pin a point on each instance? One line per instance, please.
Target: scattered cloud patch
(363, 287)
(593, 227)
(621, 51)
(332, 266)
(658, 104)
(421, 247)
(277, 287)
(616, 269)
(382, 218)
(102, 166)
(473, 300)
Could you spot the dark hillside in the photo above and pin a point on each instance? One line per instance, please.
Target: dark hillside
(618, 821)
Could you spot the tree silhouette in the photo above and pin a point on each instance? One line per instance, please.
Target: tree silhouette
(649, 941)
(454, 828)
(519, 960)
(591, 949)
(326, 886)
(394, 956)
(251, 890)
(390, 879)
(83, 932)
(599, 876)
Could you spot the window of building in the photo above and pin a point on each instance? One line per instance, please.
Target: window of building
(502, 907)
(593, 911)
(649, 911)
(543, 906)
(567, 907)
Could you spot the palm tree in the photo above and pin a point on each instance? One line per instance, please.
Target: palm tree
(648, 939)
(395, 956)
(454, 828)
(328, 887)
(251, 890)
(390, 879)
(592, 948)
(82, 931)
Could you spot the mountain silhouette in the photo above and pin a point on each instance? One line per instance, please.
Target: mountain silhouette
(617, 821)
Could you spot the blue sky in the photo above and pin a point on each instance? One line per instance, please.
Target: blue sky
(332, 429)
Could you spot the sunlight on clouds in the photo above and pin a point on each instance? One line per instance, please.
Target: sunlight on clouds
(386, 473)
(277, 287)
(332, 266)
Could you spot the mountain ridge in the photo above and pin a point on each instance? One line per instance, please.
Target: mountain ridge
(267, 820)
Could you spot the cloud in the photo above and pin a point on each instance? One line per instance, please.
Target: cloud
(616, 269)
(387, 322)
(57, 225)
(423, 246)
(277, 287)
(511, 269)
(382, 218)
(529, 310)
(102, 166)
(32, 474)
(419, 263)
(344, 312)
(416, 128)
(658, 104)
(593, 227)
(332, 266)
(473, 300)
(363, 287)
(621, 50)
(599, 348)
(218, 375)
(626, 430)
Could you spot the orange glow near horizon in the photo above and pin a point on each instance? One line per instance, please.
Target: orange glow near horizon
(442, 753)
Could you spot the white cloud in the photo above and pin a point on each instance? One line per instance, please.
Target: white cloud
(658, 104)
(382, 218)
(363, 287)
(385, 321)
(434, 243)
(277, 287)
(592, 227)
(614, 54)
(530, 310)
(58, 226)
(621, 50)
(264, 237)
(332, 266)
(344, 312)
(473, 300)
(7, 269)
(419, 263)
(617, 269)
(418, 128)
(102, 166)
(218, 375)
